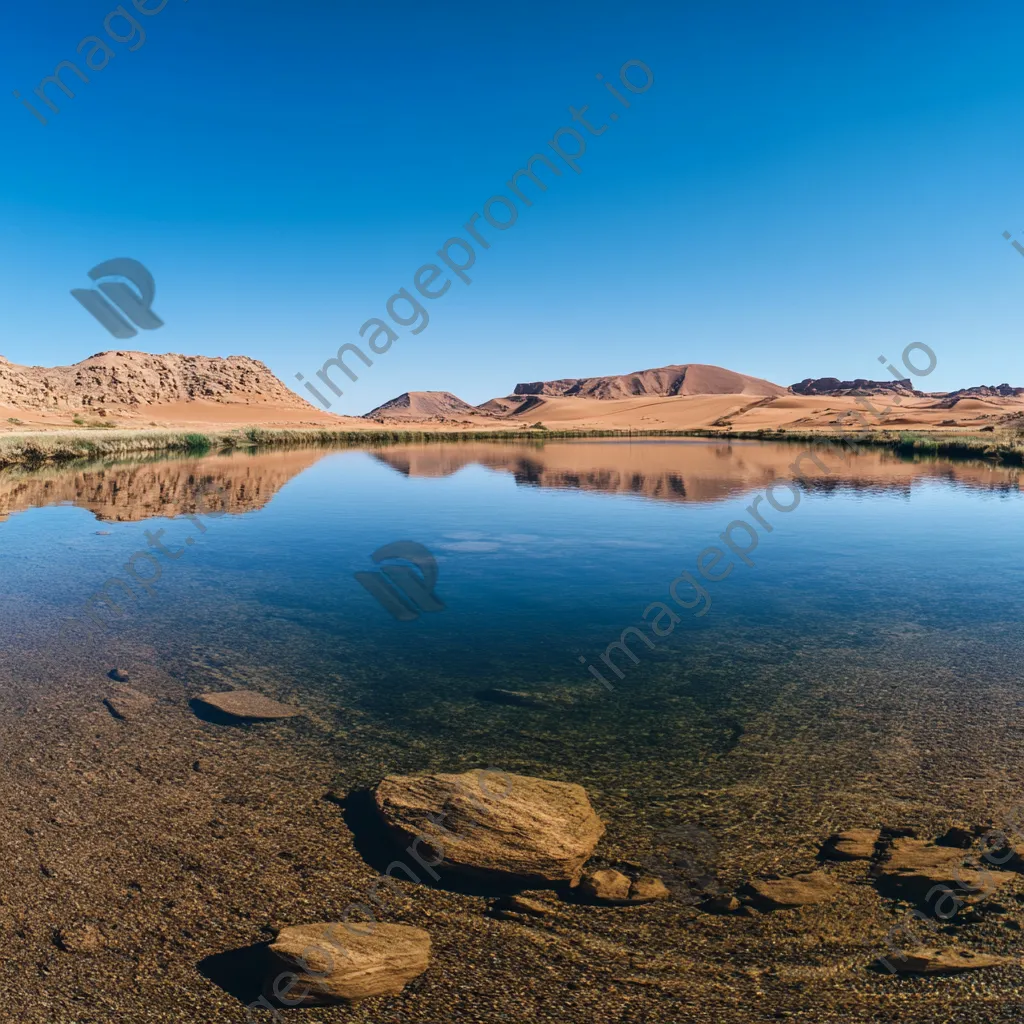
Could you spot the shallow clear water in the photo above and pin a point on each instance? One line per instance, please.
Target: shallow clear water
(888, 573)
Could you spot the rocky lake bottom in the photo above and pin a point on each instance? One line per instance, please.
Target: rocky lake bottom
(863, 674)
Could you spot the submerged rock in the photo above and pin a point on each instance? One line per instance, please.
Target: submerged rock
(721, 905)
(491, 823)
(335, 962)
(945, 961)
(647, 890)
(248, 704)
(125, 703)
(786, 893)
(84, 938)
(509, 906)
(610, 886)
(119, 675)
(915, 867)
(854, 844)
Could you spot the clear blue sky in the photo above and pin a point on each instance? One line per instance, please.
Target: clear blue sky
(804, 187)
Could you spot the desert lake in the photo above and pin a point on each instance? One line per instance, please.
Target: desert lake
(864, 671)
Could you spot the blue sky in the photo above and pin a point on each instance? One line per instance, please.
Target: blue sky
(804, 187)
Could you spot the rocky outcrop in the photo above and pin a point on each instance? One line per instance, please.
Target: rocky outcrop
(248, 705)
(833, 387)
(335, 962)
(135, 379)
(491, 823)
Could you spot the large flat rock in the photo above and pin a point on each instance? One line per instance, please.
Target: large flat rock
(336, 962)
(945, 961)
(914, 867)
(492, 823)
(248, 704)
(795, 891)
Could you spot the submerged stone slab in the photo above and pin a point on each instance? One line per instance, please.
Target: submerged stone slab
(337, 962)
(126, 703)
(786, 893)
(492, 823)
(945, 961)
(854, 844)
(248, 704)
(915, 868)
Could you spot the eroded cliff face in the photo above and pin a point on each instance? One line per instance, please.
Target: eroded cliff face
(118, 380)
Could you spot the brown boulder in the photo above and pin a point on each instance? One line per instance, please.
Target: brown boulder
(786, 893)
(335, 962)
(854, 844)
(608, 886)
(491, 823)
(248, 704)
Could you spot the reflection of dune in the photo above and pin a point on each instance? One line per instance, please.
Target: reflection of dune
(685, 470)
(129, 492)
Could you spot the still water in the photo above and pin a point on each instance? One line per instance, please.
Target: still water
(890, 578)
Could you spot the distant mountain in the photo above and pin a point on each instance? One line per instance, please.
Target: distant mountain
(988, 391)
(665, 381)
(833, 387)
(423, 405)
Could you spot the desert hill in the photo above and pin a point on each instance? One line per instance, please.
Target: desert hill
(136, 389)
(422, 406)
(663, 382)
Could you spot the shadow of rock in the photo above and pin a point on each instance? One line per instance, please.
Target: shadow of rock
(239, 972)
(205, 713)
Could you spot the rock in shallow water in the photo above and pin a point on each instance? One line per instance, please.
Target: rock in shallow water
(786, 893)
(610, 886)
(492, 823)
(125, 703)
(85, 938)
(945, 961)
(854, 844)
(248, 704)
(335, 962)
(915, 867)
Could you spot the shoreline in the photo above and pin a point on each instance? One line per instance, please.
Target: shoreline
(40, 448)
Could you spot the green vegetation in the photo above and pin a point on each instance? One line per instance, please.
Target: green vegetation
(32, 448)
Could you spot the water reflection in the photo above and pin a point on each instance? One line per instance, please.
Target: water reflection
(673, 470)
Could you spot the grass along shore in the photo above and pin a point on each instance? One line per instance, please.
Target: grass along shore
(1004, 447)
